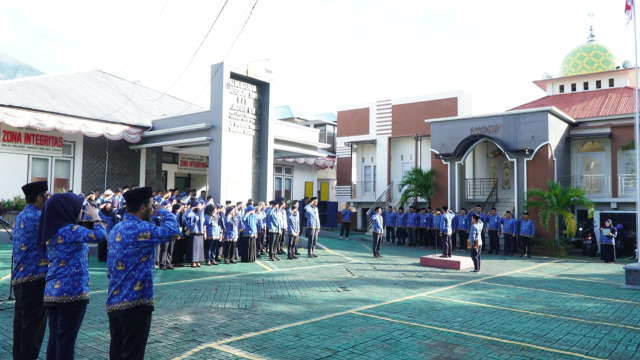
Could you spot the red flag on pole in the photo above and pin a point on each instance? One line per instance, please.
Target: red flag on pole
(628, 10)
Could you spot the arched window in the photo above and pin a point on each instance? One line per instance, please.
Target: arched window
(591, 146)
(629, 145)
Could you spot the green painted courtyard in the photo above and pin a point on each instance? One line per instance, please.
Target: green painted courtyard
(348, 305)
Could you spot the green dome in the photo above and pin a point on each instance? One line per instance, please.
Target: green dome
(588, 58)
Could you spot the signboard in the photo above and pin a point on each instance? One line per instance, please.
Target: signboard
(194, 164)
(244, 108)
(24, 141)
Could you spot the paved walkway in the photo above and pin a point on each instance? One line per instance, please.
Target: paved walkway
(347, 305)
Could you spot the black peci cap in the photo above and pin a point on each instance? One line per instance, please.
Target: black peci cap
(35, 188)
(138, 195)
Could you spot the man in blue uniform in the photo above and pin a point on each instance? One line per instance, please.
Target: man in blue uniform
(346, 221)
(411, 225)
(527, 230)
(378, 228)
(483, 219)
(28, 276)
(462, 228)
(508, 224)
(446, 229)
(273, 230)
(389, 224)
(475, 241)
(313, 226)
(293, 229)
(132, 244)
(493, 223)
(400, 225)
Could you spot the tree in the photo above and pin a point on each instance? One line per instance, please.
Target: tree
(417, 183)
(557, 202)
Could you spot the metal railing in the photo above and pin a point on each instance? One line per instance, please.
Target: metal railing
(492, 199)
(383, 201)
(598, 185)
(479, 188)
(363, 190)
(627, 185)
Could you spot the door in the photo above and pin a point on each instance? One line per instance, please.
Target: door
(181, 183)
(324, 191)
(592, 179)
(367, 180)
(628, 177)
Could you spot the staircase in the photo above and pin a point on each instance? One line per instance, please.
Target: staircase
(383, 201)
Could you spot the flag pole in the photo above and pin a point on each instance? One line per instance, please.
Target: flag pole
(637, 129)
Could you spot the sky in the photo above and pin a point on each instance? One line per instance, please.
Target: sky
(324, 54)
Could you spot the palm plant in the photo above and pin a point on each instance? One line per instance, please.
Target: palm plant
(557, 202)
(417, 183)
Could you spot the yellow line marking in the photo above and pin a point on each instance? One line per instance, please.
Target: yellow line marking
(236, 352)
(563, 293)
(595, 271)
(574, 279)
(6, 277)
(249, 335)
(490, 338)
(337, 254)
(533, 312)
(264, 266)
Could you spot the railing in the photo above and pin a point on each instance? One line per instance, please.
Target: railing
(492, 199)
(363, 190)
(593, 185)
(382, 201)
(479, 188)
(627, 185)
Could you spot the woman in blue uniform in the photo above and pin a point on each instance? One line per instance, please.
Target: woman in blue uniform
(608, 235)
(65, 244)
(230, 234)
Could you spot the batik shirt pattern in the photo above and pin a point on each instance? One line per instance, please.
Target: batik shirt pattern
(231, 227)
(211, 223)
(68, 255)
(132, 248)
(27, 264)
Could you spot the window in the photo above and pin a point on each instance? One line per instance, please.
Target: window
(591, 146)
(61, 175)
(598, 84)
(561, 90)
(68, 149)
(585, 85)
(39, 169)
(283, 182)
(611, 83)
(573, 87)
(323, 134)
(57, 171)
(170, 158)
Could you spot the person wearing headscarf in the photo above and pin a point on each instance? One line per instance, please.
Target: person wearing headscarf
(212, 234)
(109, 217)
(293, 229)
(132, 244)
(180, 244)
(250, 233)
(261, 241)
(28, 276)
(608, 234)
(195, 234)
(65, 244)
(230, 234)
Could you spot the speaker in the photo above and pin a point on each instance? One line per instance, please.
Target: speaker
(328, 211)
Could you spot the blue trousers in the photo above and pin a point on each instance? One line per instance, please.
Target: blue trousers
(64, 325)
(476, 257)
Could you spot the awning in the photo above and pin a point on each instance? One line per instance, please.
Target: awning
(68, 125)
(600, 135)
(321, 162)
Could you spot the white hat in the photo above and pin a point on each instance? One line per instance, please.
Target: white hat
(108, 192)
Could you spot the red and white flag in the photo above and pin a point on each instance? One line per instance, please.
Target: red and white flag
(628, 10)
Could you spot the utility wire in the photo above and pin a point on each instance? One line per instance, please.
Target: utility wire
(222, 62)
(196, 52)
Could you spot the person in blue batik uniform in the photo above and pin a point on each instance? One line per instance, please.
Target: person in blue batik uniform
(195, 234)
(212, 240)
(346, 221)
(608, 242)
(422, 227)
(446, 229)
(313, 226)
(462, 228)
(132, 245)
(527, 230)
(389, 225)
(378, 228)
(65, 244)
(435, 228)
(248, 248)
(293, 229)
(475, 241)
(28, 276)
(230, 234)
(493, 224)
(273, 228)
(508, 224)
(109, 217)
(400, 224)
(411, 222)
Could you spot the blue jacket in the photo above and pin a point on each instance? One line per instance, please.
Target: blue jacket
(435, 221)
(132, 248)
(282, 215)
(110, 220)
(313, 218)
(377, 223)
(195, 222)
(508, 225)
(527, 228)
(400, 219)
(424, 220)
(493, 221)
(462, 222)
(28, 266)
(231, 227)
(273, 220)
(250, 225)
(446, 223)
(412, 219)
(293, 225)
(212, 228)
(346, 215)
(68, 255)
(389, 218)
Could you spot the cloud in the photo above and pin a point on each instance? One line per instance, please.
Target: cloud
(6, 32)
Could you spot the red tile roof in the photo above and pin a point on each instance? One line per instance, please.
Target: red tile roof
(589, 104)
